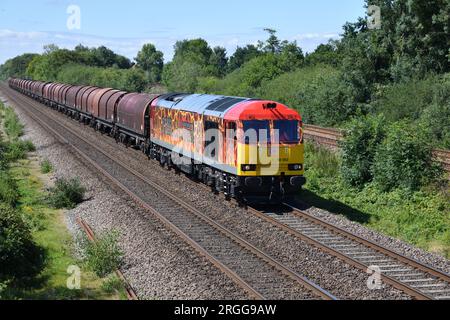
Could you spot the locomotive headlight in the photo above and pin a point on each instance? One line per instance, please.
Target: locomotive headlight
(295, 167)
(248, 167)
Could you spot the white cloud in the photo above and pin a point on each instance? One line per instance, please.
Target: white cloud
(8, 34)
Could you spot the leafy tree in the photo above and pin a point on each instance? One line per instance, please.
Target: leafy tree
(324, 54)
(242, 55)
(218, 61)
(273, 44)
(362, 138)
(191, 61)
(196, 50)
(17, 66)
(183, 75)
(134, 80)
(151, 61)
(105, 57)
(404, 159)
(19, 256)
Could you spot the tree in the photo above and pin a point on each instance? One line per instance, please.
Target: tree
(17, 66)
(324, 54)
(151, 61)
(219, 61)
(242, 55)
(273, 44)
(192, 60)
(196, 50)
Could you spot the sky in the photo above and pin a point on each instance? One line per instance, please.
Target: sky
(125, 26)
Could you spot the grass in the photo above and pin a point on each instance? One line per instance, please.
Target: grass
(11, 123)
(21, 186)
(46, 167)
(103, 256)
(421, 218)
(50, 233)
(67, 193)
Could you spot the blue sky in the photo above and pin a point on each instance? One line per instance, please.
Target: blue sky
(124, 26)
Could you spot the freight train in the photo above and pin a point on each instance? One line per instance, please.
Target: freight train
(249, 149)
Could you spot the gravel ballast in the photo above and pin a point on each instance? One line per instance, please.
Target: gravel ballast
(157, 264)
(106, 211)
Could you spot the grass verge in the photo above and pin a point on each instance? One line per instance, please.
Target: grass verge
(22, 193)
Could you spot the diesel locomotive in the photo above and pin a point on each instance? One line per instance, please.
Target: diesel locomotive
(249, 149)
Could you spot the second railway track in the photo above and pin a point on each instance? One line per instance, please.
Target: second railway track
(258, 273)
(408, 275)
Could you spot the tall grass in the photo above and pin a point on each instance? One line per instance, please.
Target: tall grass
(12, 125)
(326, 162)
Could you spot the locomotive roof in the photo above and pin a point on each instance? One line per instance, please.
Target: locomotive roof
(207, 104)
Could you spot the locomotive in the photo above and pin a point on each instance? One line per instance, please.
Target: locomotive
(249, 149)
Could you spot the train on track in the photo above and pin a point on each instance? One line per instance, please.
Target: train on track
(249, 149)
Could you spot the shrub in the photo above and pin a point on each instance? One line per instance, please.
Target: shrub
(324, 161)
(435, 122)
(13, 128)
(3, 288)
(404, 159)
(112, 285)
(362, 137)
(46, 166)
(8, 189)
(407, 100)
(318, 93)
(17, 150)
(66, 194)
(19, 256)
(104, 255)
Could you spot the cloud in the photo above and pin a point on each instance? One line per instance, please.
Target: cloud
(6, 34)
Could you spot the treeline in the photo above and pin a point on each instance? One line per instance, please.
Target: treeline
(399, 71)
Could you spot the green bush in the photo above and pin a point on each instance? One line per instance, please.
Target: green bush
(19, 256)
(46, 166)
(322, 160)
(404, 159)
(104, 255)
(407, 100)
(8, 189)
(66, 194)
(362, 137)
(17, 150)
(132, 80)
(13, 127)
(435, 123)
(112, 285)
(317, 92)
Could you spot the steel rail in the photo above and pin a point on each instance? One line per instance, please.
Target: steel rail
(403, 286)
(131, 294)
(288, 272)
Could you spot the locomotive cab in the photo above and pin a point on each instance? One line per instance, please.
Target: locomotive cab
(269, 151)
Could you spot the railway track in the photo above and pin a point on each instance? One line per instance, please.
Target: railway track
(410, 276)
(330, 138)
(131, 294)
(261, 276)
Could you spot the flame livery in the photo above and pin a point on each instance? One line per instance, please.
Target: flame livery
(249, 149)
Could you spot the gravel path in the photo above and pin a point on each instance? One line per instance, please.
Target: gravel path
(157, 264)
